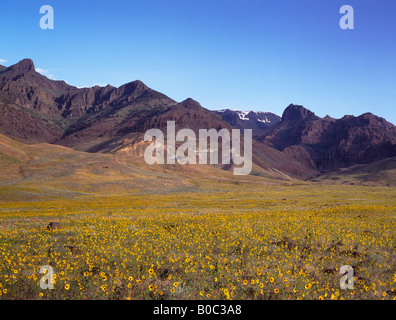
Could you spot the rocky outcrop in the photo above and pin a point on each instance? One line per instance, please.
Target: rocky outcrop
(327, 144)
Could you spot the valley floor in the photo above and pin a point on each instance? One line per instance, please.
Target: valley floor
(224, 241)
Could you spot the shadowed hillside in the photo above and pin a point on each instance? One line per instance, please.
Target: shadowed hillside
(299, 145)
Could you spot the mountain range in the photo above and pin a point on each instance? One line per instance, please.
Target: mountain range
(112, 120)
(258, 121)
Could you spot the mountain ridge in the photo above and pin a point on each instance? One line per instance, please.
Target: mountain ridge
(26, 94)
(325, 144)
(256, 120)
(109, 119)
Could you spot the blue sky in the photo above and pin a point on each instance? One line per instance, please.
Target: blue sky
(241, 54)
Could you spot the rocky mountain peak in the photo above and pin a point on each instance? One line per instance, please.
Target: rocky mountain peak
(297, 113)
(23, 66)
(190, 103)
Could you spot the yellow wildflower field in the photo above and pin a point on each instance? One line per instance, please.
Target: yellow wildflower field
(267, 242)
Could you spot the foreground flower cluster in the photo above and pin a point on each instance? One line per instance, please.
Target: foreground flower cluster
(197, 248)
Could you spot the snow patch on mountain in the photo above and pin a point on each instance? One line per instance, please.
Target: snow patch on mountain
(257, 120)
(242, 114)
(264, 120)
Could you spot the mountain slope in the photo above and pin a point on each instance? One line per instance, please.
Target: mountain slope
(377, 173)
(190, 114)
(68, 114)
(44, 169)
(35, 109)
(327, 144)
(47, 171)
(12, 156)
(256, 120)
(105, 119)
